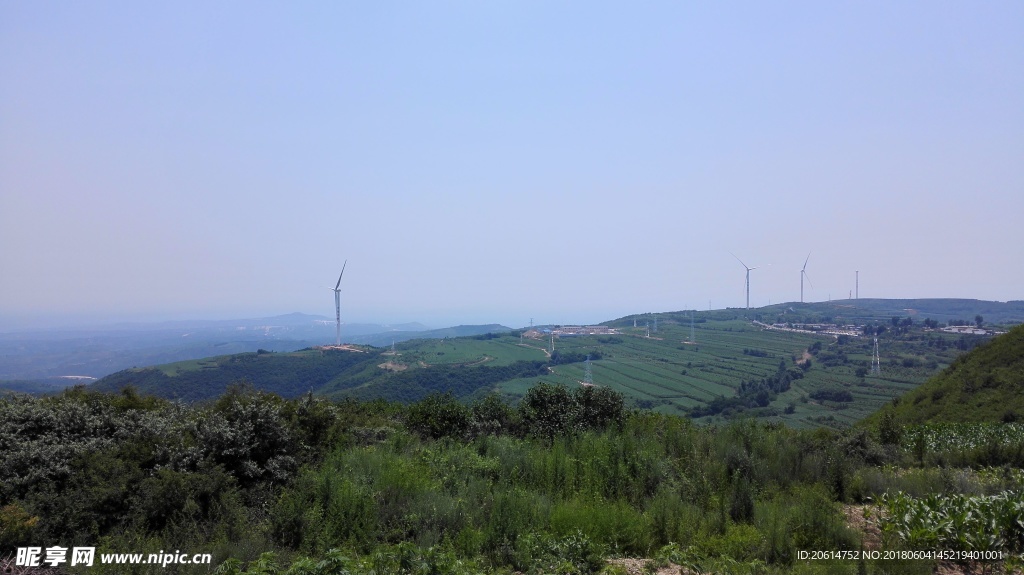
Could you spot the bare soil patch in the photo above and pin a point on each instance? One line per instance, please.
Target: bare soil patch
(864, 520)
(637, 566)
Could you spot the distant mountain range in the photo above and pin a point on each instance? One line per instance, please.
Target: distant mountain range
(49, 354)
(939, 309)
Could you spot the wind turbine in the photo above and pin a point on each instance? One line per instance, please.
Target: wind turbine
(748, 277)
(803, 272)
(337, 302)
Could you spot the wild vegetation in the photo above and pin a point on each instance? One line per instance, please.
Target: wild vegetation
(555, 484)
(985, 385)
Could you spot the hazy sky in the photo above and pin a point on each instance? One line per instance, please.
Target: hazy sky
(502, 160)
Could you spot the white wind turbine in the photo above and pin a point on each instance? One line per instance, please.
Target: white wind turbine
(337, 303)
(748, 277)
(803, 273)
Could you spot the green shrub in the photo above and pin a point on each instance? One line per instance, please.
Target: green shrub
(613, 524)
(438, 415)
(512, 513)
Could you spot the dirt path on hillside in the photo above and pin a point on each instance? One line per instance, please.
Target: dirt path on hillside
(546, 352)
(480, 361)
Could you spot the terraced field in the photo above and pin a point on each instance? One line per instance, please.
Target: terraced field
(664, 373)
(467, 350)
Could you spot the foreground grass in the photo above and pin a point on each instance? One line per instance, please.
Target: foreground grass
(557, 484)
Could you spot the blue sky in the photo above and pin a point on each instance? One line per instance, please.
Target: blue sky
(497, 161)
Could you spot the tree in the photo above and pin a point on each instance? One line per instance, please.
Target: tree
(547, 410)
(491, 415)
(599, 407)
(890, 432)
(438, 415)
(978, 320)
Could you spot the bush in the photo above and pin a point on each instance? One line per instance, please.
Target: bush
(551, 410)
(17, 527)
(438, 415)
(491, 416)
(612, 524)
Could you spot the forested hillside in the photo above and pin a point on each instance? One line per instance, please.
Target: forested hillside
(986, 384)
(286, 374)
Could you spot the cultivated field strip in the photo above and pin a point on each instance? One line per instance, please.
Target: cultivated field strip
(666, 370)
(688, 385)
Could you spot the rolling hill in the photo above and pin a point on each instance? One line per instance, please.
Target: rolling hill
(719, 365)
(985, 385)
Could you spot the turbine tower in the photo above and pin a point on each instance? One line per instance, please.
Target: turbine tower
(803, 273)
(876, 360)
(337, 303)
(748, 277)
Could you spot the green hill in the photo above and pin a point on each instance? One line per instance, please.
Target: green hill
(286, 374)
(985, 385)
(385, 339)
(717, 366)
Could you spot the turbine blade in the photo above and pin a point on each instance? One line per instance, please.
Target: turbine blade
(805, 261)
(342, 273)
(808, 280)
(739, 260)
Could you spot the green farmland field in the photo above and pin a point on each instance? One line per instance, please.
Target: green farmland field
(665, 373)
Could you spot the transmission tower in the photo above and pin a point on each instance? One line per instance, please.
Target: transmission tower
(552, 343)
(693, 338)
(876, 360)
(648, 326)
(588, 377)
(655, 325)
